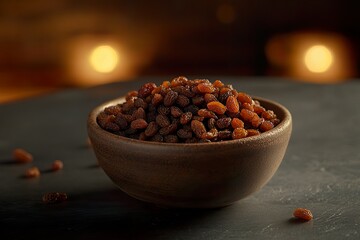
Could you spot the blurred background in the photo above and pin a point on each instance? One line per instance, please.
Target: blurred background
(50, 45)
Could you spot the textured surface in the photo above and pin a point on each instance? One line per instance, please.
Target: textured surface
(320, 171)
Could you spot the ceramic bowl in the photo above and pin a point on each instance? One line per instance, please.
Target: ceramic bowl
(193, 175)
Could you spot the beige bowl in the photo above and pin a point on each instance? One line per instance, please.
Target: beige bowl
(196, 175)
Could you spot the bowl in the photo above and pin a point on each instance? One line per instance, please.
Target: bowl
(191, 175)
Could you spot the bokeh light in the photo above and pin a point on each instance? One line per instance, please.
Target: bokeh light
(318, 59)
(104, 59)
(226, 13)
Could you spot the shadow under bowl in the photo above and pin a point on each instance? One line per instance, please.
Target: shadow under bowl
(193, 175)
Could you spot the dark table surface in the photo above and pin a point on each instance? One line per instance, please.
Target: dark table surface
(320, 171)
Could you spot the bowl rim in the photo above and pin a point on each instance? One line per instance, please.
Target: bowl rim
(284, 123)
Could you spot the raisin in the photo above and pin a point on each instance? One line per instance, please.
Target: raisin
(206, 88)
(112, 110)
(206, 113)
(258, 109)
(198, 128)
(175, 111)
(185, 118)
(32, 172)
(163, 110)
(266, 126)
(232, 104)
(54, 197)
(146, 90)
(139, 124)
(268, 115)
(218, 84)
(237, 123)
(120, 120)
(57, 165)
(256, 121)
(191, 108)
(170, 98)
(211, 123)
(171, 139)
(252, 132)
(130, 95)
(247, 115)
(162, 120)
(157, 99)
(168, 130)
(151, 129)
(239, 133)
(209, 97)
(225, 134)
(142, 136)
(157, 138)
(223, 122)
(182, 133)
(198, 100)
(22, 156)
(213, 133)
(216, 107)
(303, 214)
(248, 106)
(244, 98)
(139, 102)
(182, 101)
(138, 113)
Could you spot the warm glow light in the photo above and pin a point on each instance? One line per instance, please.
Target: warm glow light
(104, 59)
(318, 59)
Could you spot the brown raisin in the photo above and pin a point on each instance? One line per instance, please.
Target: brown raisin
(139, 124)
(130, 95)
(252, 132)
(237, 123)
(139, 113)
(211, 123)
(162, 120)
(157, 99)
(171, 138)
(191, 108)
(170, 98)
(244, 98)
(182, 133)
(32, 172)
(223, 122)
(139, 102)
(225, 134)
(239, 133)
(218, 84)
(268, 115)
(206, 113)
(146, 90)
(209, 97)
(163, 110)
(175, 111)
(198, 128)
(54, 197)
(248, 106)
(185, 118)
(216, 107)
(266, 126)
(198, 100)
(247, 115)
(206, 88)
(182, 101)
(151, 129)
(120, 120)
(112, 110)
(303, 214)
(213, 133)
(57, 165)
(232, 104)
(168, 130)
(22, 156)
(157, 138)
(258, 109)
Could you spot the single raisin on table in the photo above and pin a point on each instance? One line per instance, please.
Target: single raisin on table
(303, 213)
(185, 111)
(22, 156)
(54, 197)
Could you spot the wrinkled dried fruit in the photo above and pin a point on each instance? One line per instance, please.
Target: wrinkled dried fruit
(303, 213)
(54, 197)
(22, 156)
(57, 165)
(187, 111)
(32, 172)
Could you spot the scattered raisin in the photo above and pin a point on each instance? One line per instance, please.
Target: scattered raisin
(22, 156)
(57, 165)
(32, 172)
(303, 213)
(54, 197)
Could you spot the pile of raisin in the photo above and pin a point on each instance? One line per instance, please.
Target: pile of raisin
(187, 111)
